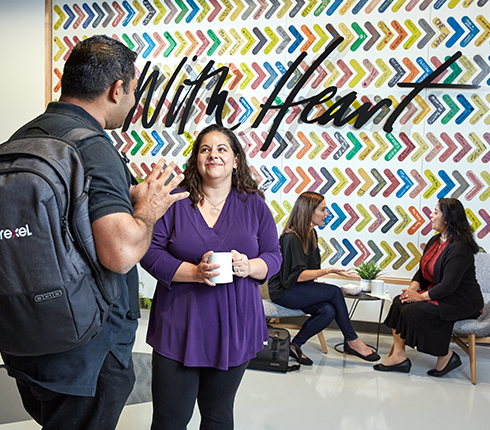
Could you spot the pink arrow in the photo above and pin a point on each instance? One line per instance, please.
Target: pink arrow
(316, 177)
(353, 217)
(451, 147)
(331, 145)
(217, 8)
(347, 74)
(202, 107)
(477, 188)
(205, 42)
(81, 16)
(271, 147)
(261, 75)
(293, 179)
(161, 44)
(355, 181)
(258, 144)
(365, 253)
(466, 147)
(394, 183)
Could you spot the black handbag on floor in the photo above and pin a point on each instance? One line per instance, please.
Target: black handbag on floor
(275, 355)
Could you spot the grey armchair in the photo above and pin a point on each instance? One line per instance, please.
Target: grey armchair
(467, 333)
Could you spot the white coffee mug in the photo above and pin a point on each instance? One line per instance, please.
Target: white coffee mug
(378, 287)
(225, 261)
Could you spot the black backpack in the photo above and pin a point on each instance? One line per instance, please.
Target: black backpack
(54, 294)
(275, 355)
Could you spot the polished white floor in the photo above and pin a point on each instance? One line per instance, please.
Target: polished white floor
(344, 393)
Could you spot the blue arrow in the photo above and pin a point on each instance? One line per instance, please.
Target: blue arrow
(329, 218)
(393, 219)
(408, 183)
(90, 13)
(458, 32)
(473, 31)
(439, 4)
(159, 145)
(352, 252)
(298, 39)
(425, 67)
(358, 7)
(282, 145)
(330, 181)
(151, 45)
(100, 15)
(400, 71)
(340, 251)
(269, 178)
(449, 184)
(248, 110)
(282, 179)
(262, 41)
(341, 216)
(195, 10)
(384, 6)
(273, 76)
(71, 16)
(468, 108)
(131, 13)
(334, 7)
(281, 68)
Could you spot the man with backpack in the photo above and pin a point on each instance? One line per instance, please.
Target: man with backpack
(86, 387)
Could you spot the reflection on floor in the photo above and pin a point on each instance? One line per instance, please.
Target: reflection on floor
(344, 393)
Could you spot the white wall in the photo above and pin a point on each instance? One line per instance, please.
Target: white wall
(22, 71)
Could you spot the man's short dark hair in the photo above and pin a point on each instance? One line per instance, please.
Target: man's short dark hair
(94, 65)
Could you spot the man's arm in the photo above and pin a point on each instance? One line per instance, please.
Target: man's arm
(121, 239)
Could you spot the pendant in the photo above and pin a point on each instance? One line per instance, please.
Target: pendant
(214, 212)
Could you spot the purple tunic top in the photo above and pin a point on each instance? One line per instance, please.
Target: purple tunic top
(196, 324)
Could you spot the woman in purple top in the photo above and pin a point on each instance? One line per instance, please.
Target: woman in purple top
(203, 334)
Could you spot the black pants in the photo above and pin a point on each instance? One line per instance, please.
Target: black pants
(176, 387)
(55, 411)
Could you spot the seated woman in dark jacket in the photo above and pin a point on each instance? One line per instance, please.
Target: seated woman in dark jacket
(295, 285)
(443, 291)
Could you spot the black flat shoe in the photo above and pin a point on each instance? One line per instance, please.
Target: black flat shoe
(371, 357)
(453, 362)
(298, 356)
(404, 367)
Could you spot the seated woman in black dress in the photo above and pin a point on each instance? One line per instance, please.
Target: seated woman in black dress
(443, 291)
(294, 287)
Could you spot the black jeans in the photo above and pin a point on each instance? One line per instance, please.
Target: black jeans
(176, 387)
(324, 302)
(55, 411)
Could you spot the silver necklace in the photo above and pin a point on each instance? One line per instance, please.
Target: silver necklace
(215, 210)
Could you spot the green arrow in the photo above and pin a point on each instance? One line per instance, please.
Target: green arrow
(172, 44)
(453, 109)
(362, 36)
(396, 146)
(216, 43)
(357, 146)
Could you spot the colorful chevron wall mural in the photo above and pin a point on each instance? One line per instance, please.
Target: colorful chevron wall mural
(380, 186)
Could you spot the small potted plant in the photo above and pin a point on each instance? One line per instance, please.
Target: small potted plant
(367, 271)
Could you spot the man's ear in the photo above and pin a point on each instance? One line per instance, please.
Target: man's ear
(116, 90)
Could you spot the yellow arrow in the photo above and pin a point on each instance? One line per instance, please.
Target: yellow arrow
(238, 11)
(417, 256)
(444, 32)
(366, 217)
(386, 73)
(309, 8)
(480, 148)
(482, 109)
(256, 104)
(226, 12)
(470, 70)
(328, 250)
(390, 252)
(343, 181)
(205, 10)
(319, 145)
(323, 38)
(349, 37)
(415, 34)
(239, 41)
(280, 213)
(486, 194)
(388, 36)
(425, 109)
(250, 41)
(284, 9)
(397, 6)
(250, 75)
(474, 221)
(360, 73)
(383, 146)
(62, 49)
(161, 12)
(61, 15)
(369, 146)
(334, 74)
(405, 220)
(368, 182)
(423, 146)
(141, 12)
(435, 184)
(149, 143)
(273, 42)
(486, 30)
(288, 208)
(183, 43)
(226, 41)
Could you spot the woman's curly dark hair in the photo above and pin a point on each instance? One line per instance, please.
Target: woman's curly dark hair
(242, 178)
(456, 222)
